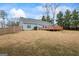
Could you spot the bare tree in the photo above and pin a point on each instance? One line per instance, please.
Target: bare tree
(50, 9)
(53, 10)
(3, 15)
(46, 14)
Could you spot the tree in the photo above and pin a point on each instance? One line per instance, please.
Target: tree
(3, 15)
(75, 18)
(48, 18)
(43, 18)
(60, 18)
(67, 19)
(47, 12)
(53, 8)
(12, 23)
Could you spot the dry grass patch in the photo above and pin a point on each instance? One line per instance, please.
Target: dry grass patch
(40, 43)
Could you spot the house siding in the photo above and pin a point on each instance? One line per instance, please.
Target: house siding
(25, 26)
(33, 23)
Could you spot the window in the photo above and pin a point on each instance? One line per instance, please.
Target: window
(28, 26)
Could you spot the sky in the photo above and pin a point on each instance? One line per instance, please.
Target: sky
(33, 10)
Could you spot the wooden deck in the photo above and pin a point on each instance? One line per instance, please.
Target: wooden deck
(52, 28)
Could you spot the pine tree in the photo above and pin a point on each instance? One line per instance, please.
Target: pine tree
(43, 18)
(75, 18)
(67, 19)
(48, 18)
(60, 18)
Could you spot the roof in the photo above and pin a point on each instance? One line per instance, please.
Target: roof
(34, 21)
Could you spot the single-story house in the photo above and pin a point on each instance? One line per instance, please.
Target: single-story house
(30, 24)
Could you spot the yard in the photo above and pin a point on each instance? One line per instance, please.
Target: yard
(40, 43)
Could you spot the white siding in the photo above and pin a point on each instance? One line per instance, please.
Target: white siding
(25, 26)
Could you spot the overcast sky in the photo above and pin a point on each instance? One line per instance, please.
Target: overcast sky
(32, 10)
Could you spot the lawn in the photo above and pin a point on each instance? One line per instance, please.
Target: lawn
(40, 43)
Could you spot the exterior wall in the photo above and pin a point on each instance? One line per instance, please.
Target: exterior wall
(26, 24)
(30, 26)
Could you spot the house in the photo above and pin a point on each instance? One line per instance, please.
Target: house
(30, 24)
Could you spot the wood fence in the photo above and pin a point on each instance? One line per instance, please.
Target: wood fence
(8, 30)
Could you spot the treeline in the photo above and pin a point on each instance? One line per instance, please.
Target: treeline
(46, 18)
(4, 17)
(69, 20)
